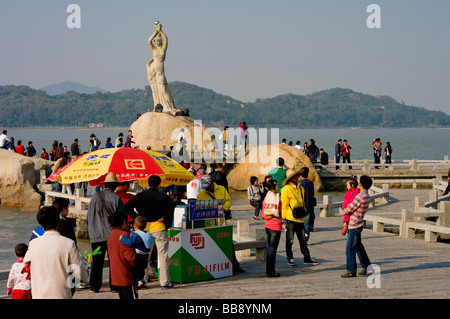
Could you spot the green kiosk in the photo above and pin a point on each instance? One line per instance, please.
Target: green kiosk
(200, 243)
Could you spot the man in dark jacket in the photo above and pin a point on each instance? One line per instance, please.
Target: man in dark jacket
(102, 208)
(308, 185)
(158, 209)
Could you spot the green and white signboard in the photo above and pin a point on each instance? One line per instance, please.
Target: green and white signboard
(200, 254)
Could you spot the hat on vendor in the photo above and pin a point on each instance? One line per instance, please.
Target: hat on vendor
(111, 178)
(291, 173)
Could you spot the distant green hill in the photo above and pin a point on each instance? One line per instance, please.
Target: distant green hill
(22, 106)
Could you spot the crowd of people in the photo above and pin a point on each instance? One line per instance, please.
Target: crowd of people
(130, 228)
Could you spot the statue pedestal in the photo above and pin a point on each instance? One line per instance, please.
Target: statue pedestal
(161, 130)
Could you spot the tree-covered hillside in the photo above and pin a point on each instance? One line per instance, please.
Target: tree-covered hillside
(22, 106)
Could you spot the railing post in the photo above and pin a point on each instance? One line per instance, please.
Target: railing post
(243, 231)
(327, 211)
(260, 235)
(407, 216)
(444, 220)
(414, 165)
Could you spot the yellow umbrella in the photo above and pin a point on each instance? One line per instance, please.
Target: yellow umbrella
(127, 163)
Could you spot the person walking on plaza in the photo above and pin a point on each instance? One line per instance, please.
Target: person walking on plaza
(19, 283)
(122, 259)
(279, 173)
(357, 209)
(292, 196)
(254, 195)
(350, 194)
(308, 186)
(271, 212)
(158, 209)
(338, 152)
(102, 208)
(53, 259)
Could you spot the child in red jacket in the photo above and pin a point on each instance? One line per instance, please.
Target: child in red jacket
(352, 191)
(121, 259)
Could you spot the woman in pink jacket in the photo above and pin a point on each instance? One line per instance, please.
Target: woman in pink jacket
(352, 191)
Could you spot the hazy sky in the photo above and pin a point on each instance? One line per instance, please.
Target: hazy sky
(246, 49)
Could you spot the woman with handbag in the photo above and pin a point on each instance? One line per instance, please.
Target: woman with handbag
(294, 213)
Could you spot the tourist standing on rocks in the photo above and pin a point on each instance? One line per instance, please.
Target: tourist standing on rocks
(158, 209)
(308, 186)
(75, 149)
(52, 150)
(338, 152)
(292, 196)
(279, 173)
(96, 141)
(357, 209)
(244, 134)
(58, 153)
(102, 208)
(129, 140)
(120, 136)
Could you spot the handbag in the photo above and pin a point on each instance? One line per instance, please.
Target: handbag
(299, 211)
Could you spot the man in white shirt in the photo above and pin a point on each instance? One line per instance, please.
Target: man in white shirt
(193, 189)
(54, 260)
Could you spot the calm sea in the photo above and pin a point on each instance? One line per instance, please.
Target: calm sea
(419, 143)
(407, 143)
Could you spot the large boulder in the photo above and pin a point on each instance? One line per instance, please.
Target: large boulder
(261, 159)
(160, 130)
(19, 176)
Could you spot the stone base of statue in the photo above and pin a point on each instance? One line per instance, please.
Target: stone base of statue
(160, 131)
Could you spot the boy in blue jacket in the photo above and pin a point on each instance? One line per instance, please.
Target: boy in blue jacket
(142, 242)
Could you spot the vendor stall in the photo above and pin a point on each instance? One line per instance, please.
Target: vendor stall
(200, 244)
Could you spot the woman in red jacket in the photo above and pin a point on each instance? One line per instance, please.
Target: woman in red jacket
(271, 212)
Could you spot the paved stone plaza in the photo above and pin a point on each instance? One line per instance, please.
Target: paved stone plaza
(408, 269)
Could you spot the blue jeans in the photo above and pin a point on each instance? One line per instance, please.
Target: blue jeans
(273, 239)
(309, 220)
(355, 247)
